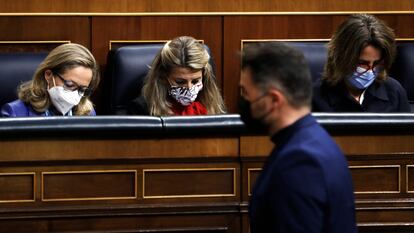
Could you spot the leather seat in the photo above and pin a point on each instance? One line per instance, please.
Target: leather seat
(403, 68)
(315, 54)
(128, 67)
(16, 68)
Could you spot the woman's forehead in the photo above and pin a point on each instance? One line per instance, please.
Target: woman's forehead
(185, 73)
(80, 75)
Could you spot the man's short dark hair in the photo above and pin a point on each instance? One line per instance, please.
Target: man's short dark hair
(275, 64)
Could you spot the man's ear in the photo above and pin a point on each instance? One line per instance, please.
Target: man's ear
(278, 98)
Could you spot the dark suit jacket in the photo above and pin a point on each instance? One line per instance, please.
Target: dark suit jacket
(18, 108)
(138, 106)
(305, 185)
(388, 96)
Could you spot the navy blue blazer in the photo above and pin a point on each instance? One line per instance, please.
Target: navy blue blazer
(388, 96)
(305, 185)
(18, 108)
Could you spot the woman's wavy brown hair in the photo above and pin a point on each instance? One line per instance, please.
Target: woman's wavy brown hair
(351, 37)
(59, 60)
(181, 52)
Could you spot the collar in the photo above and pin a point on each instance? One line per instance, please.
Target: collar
(378, 90)
(338, 95)
(283, 135)
(362, 97)
(53, 112)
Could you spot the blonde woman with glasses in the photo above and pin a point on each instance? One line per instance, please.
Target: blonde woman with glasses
(61, 85)
(180, 82)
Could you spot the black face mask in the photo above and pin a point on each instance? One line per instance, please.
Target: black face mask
(252, 124)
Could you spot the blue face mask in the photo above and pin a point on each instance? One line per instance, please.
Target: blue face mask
(361, 78)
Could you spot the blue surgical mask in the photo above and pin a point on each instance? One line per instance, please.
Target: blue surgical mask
(362, 78)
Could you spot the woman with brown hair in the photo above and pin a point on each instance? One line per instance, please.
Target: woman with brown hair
(180, 82)
(61, 85)
(355, 78)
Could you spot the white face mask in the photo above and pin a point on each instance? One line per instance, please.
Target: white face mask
(62, 99)
(184, 95)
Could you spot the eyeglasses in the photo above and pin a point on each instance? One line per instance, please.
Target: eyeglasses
(362, 68)
(361, 71)
(72, 86)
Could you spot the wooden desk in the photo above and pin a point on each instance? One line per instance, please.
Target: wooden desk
(114, 177)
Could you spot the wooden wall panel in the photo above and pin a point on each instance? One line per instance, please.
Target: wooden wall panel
(410, 178)
(116, 149)
(252, 175)
(255, 146)
(386, 228)
(190, 222)
(17, 187)
(100, 198)
(386, 216)
(89, 185)
(48, 6)
(382, 179)
(185, 183)
(28, 28)
(29, 46)
(118, 185)
(374, 145)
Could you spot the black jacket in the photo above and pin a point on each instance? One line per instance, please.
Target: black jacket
(388, 96)
(138, 106)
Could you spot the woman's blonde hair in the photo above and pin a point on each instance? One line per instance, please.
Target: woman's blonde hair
(181, 52)
(351, 37)
(59, 60)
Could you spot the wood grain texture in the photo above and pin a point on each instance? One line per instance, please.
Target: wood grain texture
(191, 222)
(194, 169)
(201, 5)
(382, 179)
(55, 149)
(255, 146)
(17, 187)
(74, 29)
(89, 185)
(376, 144)
(180, 183)
(351, 145)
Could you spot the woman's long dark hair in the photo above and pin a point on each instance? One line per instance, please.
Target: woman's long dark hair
(351, 37)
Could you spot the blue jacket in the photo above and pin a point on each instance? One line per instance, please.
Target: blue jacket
(18, 108)
(305, 185)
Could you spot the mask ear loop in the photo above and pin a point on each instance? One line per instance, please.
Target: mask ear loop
(54, 83)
